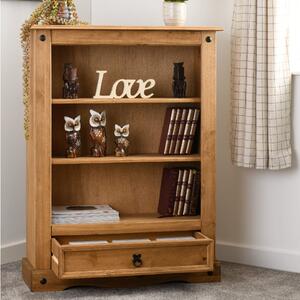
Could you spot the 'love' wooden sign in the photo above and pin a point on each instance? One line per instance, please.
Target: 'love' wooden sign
(127, 88)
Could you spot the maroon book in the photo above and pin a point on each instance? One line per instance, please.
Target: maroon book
(195, 197)
(167, 130)
(187, 200)
(175, 130)
(186, 132)
(167, 191)
(182, 192)
(178, 189)
(181, 131)
(192, 132)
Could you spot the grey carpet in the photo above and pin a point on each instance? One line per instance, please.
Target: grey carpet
(238, 282)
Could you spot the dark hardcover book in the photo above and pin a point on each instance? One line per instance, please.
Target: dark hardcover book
(167, 191)
(180, 131)
(175, 131)
(186, 131)
(192, 132)
(178, 189)
(188, 195)
(166, 134)
(195, 197)
(182, 192)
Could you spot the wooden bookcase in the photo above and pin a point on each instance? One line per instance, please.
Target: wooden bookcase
(130, 184)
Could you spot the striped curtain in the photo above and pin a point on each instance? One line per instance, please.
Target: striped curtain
(261, 85)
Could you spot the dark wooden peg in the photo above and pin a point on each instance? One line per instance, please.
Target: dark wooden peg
(208, 39)
(42, 37)
(43, 281)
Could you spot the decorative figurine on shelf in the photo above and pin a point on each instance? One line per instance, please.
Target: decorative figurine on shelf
(72, 129)
(179, 83)
(98, 133)
(71, 84)
(49, 12)
(122, 143)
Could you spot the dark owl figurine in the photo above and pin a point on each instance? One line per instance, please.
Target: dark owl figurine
(122, 143)
(98, 133)
(71, 84)
(72, 129)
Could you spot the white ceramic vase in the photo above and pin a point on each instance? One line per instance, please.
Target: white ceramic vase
(174, 13)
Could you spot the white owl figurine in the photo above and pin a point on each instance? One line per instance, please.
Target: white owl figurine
(122, 143)
(98, 133)
(73, 139)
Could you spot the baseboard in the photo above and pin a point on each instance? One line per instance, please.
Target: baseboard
(278, 259)
(13, 252)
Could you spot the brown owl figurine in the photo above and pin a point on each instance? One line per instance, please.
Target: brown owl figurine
(72, 129)
(122, 143)
(98, 133)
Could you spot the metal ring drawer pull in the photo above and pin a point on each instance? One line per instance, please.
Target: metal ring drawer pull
(137, 260)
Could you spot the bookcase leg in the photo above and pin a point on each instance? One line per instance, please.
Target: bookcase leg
(46, 280)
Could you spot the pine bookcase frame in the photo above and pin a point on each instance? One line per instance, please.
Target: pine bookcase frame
(51, 264)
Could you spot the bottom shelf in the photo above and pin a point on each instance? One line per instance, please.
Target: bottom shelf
(130, 224)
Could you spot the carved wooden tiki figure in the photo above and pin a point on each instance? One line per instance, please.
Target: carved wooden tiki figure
(98, 133)
(179, 83)
(122, 143)
(72, 129)
(71, 84)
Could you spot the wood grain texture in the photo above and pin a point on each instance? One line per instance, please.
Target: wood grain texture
(131, 184)
(126, 101)
(137, 223)
(115, 259)
(33, 277)
(146, 124)
(128, 188)
(128, 28)
(154, 158)
(127, 62)
(39, 154)
(128, 37)
(208, 135)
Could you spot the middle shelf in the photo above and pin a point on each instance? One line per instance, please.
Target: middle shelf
(142, 158)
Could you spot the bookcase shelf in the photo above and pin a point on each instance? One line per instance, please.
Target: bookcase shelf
(128, 159)
(130, 224)
(126, 101)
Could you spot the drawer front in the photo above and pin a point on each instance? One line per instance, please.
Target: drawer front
(130, 260)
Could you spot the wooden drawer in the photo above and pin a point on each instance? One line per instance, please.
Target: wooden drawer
(116, 259)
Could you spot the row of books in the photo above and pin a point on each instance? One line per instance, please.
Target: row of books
(84, 214)
(178, 131)
(180, 192)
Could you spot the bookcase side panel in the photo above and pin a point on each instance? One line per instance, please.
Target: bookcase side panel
(208, 134)
(39, 153)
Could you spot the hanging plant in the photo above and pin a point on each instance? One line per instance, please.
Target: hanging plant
(49, 12)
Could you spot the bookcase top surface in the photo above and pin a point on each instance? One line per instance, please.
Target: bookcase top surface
(127, 28)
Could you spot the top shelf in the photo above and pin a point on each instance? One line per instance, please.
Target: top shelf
(128, 28)
(126, 101)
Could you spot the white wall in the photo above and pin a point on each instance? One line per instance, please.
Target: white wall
(13, 14)
(257, 215)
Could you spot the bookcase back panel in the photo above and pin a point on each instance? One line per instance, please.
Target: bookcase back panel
(146, 122)
(130, 189)
(126, 62)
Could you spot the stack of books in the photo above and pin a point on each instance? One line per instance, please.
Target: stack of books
(84, 214)
(179, 192)
(178, 132)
